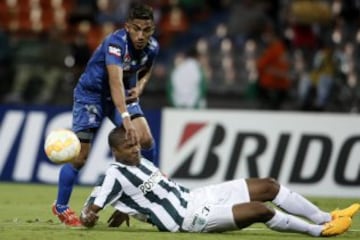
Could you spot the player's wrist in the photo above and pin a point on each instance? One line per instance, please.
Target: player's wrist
(125, 115)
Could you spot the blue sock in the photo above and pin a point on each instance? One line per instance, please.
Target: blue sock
(67, 178)
(150, 154)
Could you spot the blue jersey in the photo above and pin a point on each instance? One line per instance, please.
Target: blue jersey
(92, 97)
(117, 48)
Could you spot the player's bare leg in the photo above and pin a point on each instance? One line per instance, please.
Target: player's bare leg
(146, 139)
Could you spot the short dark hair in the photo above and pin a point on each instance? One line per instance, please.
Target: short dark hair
(117, 136)
(140, 11)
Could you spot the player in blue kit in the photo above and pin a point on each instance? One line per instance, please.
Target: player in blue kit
(110, 86)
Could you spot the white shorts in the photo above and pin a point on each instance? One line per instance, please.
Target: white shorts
(210, 208)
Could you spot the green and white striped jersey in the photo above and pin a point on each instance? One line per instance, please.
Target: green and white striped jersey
(142, 191)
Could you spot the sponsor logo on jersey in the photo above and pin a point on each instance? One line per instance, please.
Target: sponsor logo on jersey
(114, 50)
(149, 184)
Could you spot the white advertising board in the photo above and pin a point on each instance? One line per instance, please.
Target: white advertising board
(314, 154)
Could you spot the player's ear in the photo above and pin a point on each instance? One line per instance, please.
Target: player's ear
(113, 150)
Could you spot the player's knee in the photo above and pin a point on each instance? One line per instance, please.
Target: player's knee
(272, 187)
(263, 212)
(80, 161)
(252, 212)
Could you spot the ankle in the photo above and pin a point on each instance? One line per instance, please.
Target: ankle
(61, 208)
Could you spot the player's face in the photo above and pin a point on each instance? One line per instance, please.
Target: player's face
(127, 153)
(140, 32)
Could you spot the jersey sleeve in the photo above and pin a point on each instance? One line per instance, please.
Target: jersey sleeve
(109, 191)
(114, 48)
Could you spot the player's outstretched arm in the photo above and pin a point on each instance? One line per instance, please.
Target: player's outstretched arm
(118, 97)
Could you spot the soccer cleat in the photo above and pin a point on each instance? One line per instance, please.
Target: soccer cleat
(336, 227)
(67, 216)
(346, 212)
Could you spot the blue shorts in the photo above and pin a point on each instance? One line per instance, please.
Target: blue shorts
(88, 116)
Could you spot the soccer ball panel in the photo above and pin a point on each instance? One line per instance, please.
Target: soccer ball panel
(62, 146)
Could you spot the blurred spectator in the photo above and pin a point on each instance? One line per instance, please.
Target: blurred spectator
(29, 70)
(318, 84)
(273, 67)
(114, 11)
(55, 50)
(347, 84)
(309, 11)
(83, 10)
(172, 23)
(187, 83)
(95, 34)
(246, 19)
(304, 37)
(80, 51)
(39, 64)
(229, 32)
(193, 9)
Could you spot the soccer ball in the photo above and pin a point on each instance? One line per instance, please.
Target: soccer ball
(62, 146)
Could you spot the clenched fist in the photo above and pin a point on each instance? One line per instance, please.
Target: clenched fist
(88, 217)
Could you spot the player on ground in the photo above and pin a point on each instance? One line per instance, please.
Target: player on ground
(110, 86)
(134, 186)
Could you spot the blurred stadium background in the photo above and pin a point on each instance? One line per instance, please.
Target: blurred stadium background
(44, 45)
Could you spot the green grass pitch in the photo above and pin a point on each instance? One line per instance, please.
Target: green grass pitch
(25, 215)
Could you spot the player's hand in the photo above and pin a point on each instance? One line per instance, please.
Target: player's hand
(131, 134)
(117, 218)
(133, 94)
(88, 217)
